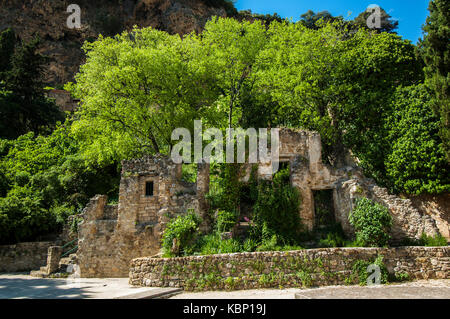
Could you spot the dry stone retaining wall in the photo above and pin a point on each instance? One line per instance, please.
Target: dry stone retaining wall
(23, 256)
(315, 267)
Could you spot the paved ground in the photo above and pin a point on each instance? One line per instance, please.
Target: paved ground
(21, 286)
(432, 289)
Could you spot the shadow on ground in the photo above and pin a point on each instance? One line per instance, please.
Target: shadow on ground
(16, 286)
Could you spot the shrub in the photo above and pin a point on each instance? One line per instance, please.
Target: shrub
(277, 207)
(225, 221)
(372, 223)
(214, 244)
(183, 229)
(431, 241)
(359, 270)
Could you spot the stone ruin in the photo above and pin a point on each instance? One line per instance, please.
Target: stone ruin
(152, 192)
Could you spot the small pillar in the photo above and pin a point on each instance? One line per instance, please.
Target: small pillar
(53, 258)
(202, 187)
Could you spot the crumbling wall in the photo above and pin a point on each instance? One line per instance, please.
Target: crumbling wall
(23, 256)
(303, 150)
(111, 235)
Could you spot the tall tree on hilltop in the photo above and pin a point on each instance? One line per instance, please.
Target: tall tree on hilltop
(387, 23)
(435, 48)
(310, 18)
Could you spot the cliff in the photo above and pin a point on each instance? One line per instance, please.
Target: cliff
(47, 18)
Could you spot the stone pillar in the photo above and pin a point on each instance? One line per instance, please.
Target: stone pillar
(307, 208)
(202, 188)
(53, 258)
(315, 152)
(128, 207)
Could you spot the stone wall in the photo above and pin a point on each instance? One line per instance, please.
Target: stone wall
(315, 267)
(23, 256)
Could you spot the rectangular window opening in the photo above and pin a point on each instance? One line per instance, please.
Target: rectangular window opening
(149, 188)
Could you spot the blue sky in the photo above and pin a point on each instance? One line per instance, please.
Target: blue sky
(411, 14)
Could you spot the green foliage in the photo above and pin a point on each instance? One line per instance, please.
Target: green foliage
(183, 229)
(214, 244)
(333, 237)
(225, 221)
(276, 211)
(431, 241)
(310, 19)
(416, 160)
(44, 180)
(372, 223)
(434, 49)
(401, 276)
(189, 173)
(23, 106)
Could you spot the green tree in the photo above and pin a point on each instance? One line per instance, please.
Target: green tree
(309, 19)
(23, 105)
(135, 89)
(435, 48)
(7, 45)
(336, 84)
(44, 179)
(387, 23)
(372, 223)
(416, 162)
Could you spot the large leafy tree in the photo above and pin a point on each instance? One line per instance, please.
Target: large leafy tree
(416, 160)
(135, 89)
(138, 87)
(43, 180)
(337, 84)
(435, 50)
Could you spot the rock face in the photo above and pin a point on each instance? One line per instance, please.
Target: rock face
(48, 20)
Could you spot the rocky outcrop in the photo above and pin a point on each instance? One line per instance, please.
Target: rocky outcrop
(47, 19)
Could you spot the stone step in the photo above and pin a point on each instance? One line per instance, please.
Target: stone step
(38, 274)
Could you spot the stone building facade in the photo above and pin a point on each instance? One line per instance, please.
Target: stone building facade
(152, 192)
(303, 151)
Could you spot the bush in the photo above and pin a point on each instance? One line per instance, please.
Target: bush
(431, 241)
(277, 208)
(214, 244)
(416, 163)
(372, 223)
(183, 229)
(225, 221)
(359, 270)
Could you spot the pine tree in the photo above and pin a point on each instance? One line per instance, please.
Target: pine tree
(435, 50)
